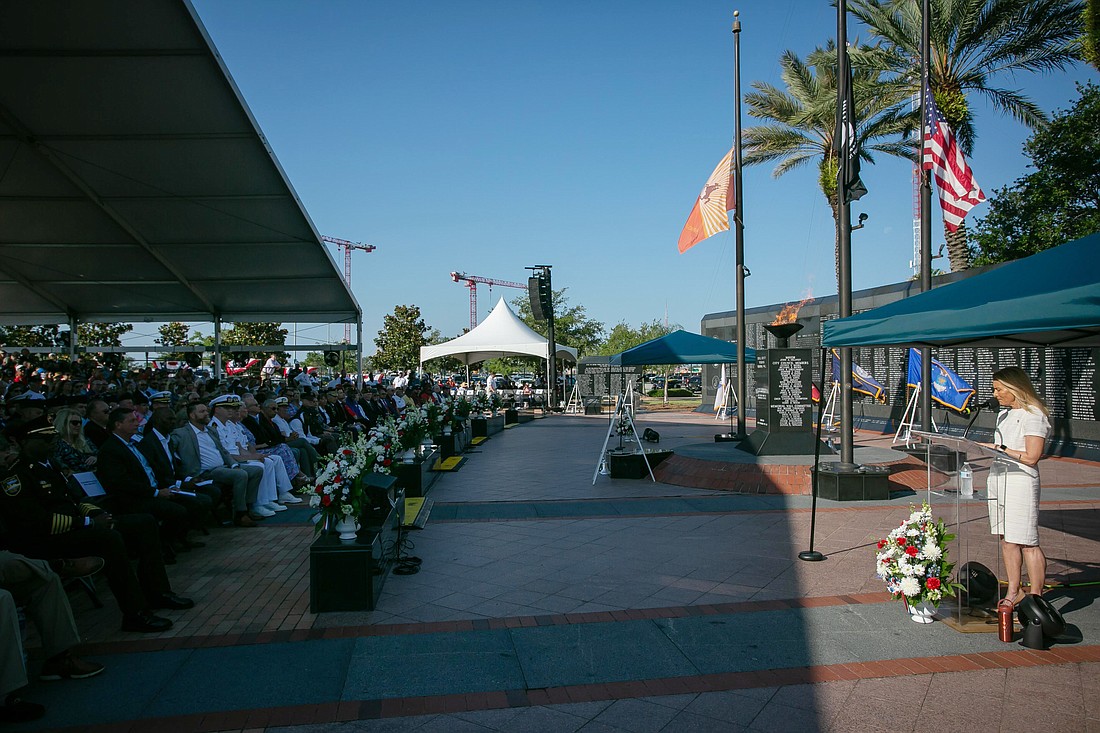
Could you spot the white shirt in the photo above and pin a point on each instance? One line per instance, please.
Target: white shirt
(209, 456)
(283, 425)
(400, 381)
(297, 427)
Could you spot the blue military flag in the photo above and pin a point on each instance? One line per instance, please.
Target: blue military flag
(948, 388)
(862, 381)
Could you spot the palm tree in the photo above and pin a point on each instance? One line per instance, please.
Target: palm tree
(974, 42)
(803, 117)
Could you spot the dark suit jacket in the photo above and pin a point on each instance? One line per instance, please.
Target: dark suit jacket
(265, 431)
(164, 465)
(96, 434)
(122, 474)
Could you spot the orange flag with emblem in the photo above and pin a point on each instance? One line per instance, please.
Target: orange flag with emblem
(709, 215)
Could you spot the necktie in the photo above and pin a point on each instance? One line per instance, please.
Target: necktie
(144, 464)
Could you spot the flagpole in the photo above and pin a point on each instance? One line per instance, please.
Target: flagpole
(844, 234)
(925, 218)
(739, 233)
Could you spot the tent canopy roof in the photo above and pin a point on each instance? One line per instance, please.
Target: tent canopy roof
(1048, 299)
(501, 334)
(137, 185)
(681, 347)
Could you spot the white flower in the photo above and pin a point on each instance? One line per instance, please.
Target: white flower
(931, 552)
(315, 501)
(910, 587)
(346, 509)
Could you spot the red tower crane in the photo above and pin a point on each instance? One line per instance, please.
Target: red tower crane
(348, 247)
(471, 282)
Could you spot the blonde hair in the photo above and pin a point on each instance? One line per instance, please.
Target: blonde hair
(1019, 384)
(61, 425)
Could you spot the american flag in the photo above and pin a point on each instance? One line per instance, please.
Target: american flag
(959, 192)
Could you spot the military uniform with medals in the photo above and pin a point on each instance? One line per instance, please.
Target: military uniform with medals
(42, 520)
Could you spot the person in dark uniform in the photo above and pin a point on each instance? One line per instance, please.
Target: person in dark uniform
(42, 520)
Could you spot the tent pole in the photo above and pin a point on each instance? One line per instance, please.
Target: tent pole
(72, 338)
(217, 345)
(359, 350)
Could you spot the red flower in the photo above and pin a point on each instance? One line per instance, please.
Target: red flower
(326, 500)
(387, 462)
(933, 583)
(911, 551)
(885, 561)
(338, 478)
(347, 451)
(901, 542)
(319, 490)
(881, 544)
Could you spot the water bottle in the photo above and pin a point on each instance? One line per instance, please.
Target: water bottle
(966, 480)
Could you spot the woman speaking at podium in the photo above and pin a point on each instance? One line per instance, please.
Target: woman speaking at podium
(1021, 435)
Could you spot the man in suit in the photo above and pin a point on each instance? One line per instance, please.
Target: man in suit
(202, 456)
(168, 471)
(95, 430)
(131, 484)
(43, 521)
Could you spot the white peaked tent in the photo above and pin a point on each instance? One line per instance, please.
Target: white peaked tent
(501, 334)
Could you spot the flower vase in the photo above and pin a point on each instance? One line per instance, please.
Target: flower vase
(347, 527)
(447, 429)
(409, 456)
(921, 613)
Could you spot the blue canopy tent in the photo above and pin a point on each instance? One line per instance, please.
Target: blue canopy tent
(1048, 299)
(681, 347)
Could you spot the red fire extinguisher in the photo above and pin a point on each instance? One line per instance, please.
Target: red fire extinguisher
(1004, 621)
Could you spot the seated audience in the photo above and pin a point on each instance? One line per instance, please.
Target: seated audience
(41, 520)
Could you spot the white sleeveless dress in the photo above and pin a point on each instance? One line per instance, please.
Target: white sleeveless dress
(1014, 512)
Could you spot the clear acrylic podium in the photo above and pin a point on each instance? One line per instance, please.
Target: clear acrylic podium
(977, 521)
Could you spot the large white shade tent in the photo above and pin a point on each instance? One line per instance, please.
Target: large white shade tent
(501, 334)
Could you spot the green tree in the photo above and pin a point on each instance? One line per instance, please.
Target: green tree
(974, 44)
(1090, 41)
(399, 341)
(1057, 203)
(173, 334)
(255, 333)
(802, 117)
(29, 336)
(445, 364)
(572, 326)
(102, 334)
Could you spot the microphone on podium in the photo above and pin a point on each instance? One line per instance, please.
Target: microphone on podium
(990, 404)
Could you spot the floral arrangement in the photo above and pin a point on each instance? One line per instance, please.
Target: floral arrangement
(462, 408)
(384, 445)
(339, 492)
(913, 559)
(412, 428)
(495, 403)
(434, 415)
(479, 402)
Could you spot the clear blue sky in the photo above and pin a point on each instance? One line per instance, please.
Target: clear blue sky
(487, 135)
